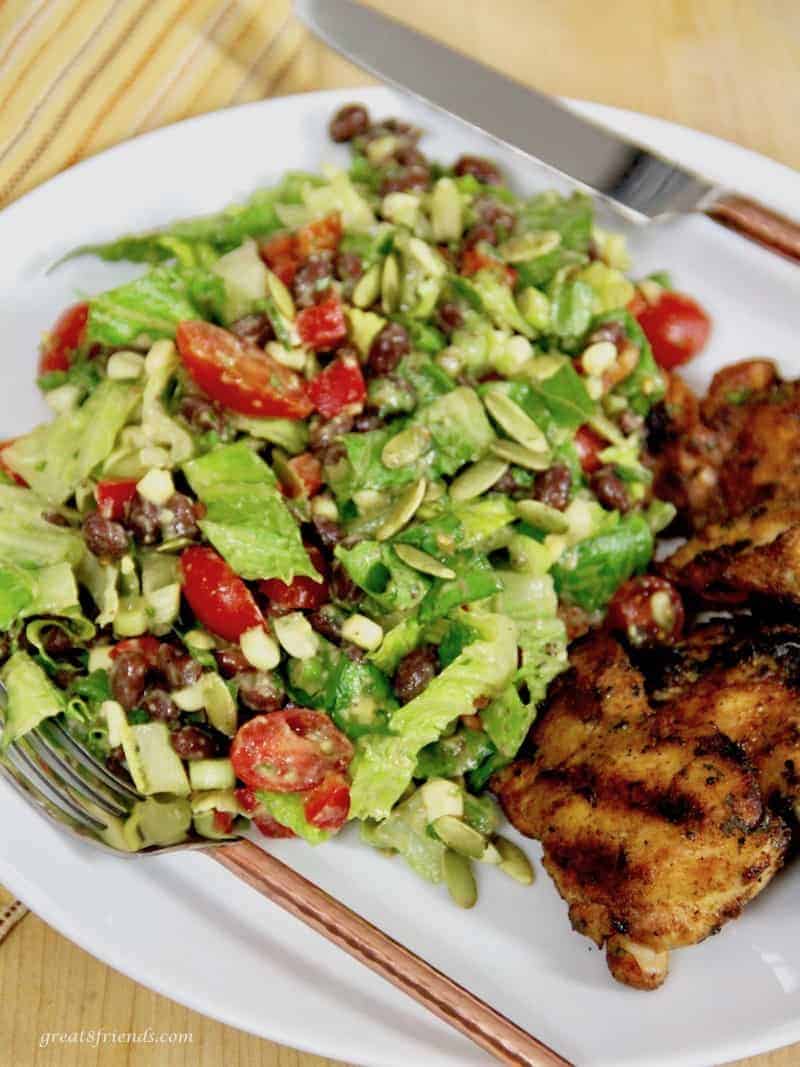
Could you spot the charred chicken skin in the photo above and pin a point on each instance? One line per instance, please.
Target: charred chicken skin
(654, 824)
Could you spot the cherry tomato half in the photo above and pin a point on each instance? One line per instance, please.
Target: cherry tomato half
(289, 751)
(223, 821)
(676, 327)
(280, 255)
(302, 593)
(339, 386)
(239, 374)
(113, 497)
(323, 235)
(66, 335)
(648, 610)
(328, 805)
(217, 595)
(322, 326)
(589, 445)
(304, 475)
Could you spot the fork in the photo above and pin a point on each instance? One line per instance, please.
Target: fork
(57, 775)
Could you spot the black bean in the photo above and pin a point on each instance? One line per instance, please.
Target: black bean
(54, 518)
(180, 519)
(104, 538)
(254, 328)
(5, 647)
(350, 121)
(56, 642)
(313, 278)
(260, 690)
(480, 232)
(231, 660)
(348, 267)
(366, 421)
(610, 490)
(330, 532)
(482, 169)
(202, 415)
(324, 432)
(553, 486)
(127, 678)
(341, 586)
(449, 317)
(327, 621)
(190, 742)
(495, 213)
(630, 422)
(178, 667)
(158, 705)
(414, 673)
(144, 520)
(609, 331)
(388, 348)
(415, 176)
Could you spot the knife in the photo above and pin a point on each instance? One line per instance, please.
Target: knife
(636, 181)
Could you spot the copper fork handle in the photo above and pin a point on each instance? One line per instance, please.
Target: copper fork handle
(383, 955)
(759, 223)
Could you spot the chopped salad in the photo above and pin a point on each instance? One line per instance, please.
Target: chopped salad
(326, 490)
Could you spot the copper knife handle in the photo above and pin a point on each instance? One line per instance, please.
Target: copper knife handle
(383, 955)
(757, 222)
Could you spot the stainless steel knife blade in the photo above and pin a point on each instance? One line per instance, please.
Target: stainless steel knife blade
(636, 181)
(639, 182)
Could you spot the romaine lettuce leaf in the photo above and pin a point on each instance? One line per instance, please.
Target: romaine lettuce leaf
(390, 583)
(150, 307)
(384, 765)
(56, 457)
(46, 590)
(589, 573)
(571, 216)
(397, 643)
(246, 519)
(646, 385)
(359, 699)
(560, 401)
(287, 809)
(31, 695)
(406, 831)
(475, 579)
(451, 756)
(459, 428)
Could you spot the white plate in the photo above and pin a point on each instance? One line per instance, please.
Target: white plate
(183, 926)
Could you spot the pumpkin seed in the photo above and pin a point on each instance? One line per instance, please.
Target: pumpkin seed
(363, 632)
(459, 879)
(446, 213)
(405, 447)
(281, 295)
(606, 428)
(529, 246)
(514, 421)
(521, 456)
(427, 257)
(599, 357)
(535, 307)
(541, 516)
(390, 284)
(477, 478)
(402, 511)
(460, 837)
(368, 288)
(514, 862)
(421, 561)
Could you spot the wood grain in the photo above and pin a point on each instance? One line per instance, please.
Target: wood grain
(729, 67)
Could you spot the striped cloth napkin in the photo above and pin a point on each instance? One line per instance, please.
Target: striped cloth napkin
(79, 75)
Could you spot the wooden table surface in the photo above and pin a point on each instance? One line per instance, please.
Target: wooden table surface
(729, 67)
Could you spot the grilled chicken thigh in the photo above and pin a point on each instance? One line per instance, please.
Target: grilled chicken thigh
(654, 825)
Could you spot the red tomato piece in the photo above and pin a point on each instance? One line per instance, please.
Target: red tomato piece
(289, 751)
(66, 335)
(339, 386)
(473, 260)
(269, 826)
(147, 645)
(321, 236)
(223, 821)
(239, 374)
(4, 466)
(328, 805)
(305, 475)
(113, 497)
(280, 255)
(302, 593)
(589, 445)
(217, 595)
(323, 326)
(676, 327)
(648, 610)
